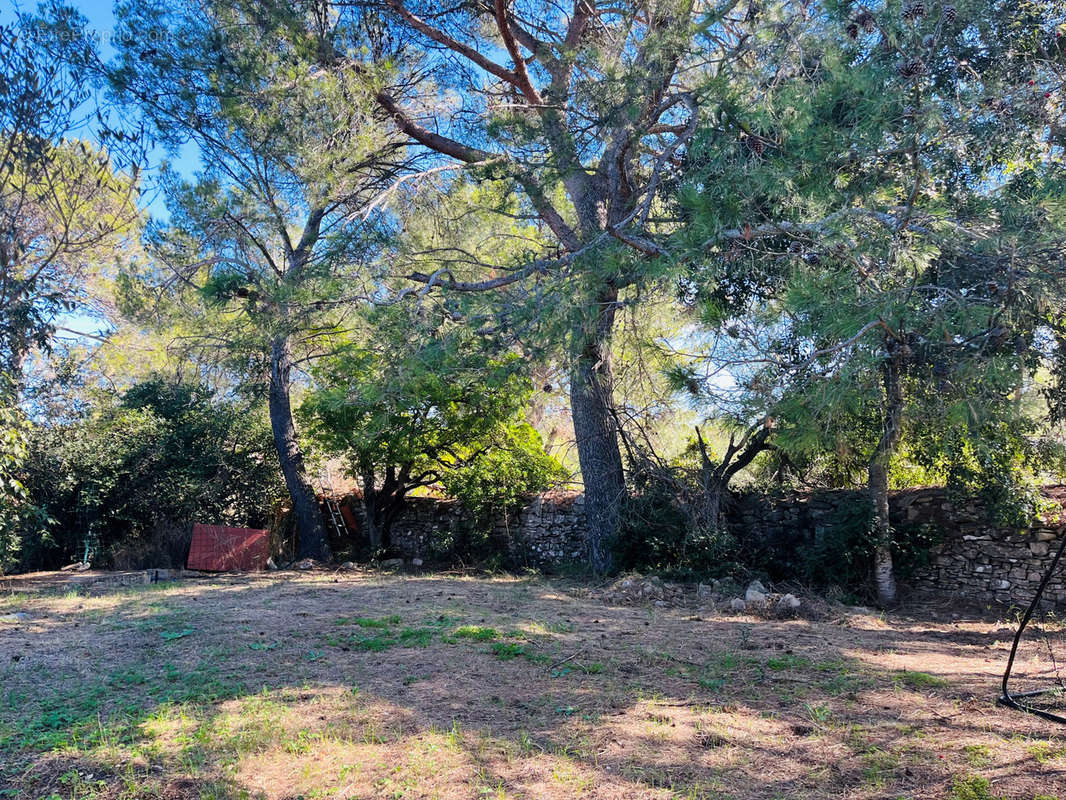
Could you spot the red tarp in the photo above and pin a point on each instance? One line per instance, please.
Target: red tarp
(215, 548)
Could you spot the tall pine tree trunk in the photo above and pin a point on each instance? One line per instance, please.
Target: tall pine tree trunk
(309, 527)
(591, 404)
(884, 574)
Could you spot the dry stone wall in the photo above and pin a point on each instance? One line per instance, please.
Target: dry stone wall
(549, 531)
(976, 560)
(982, 562)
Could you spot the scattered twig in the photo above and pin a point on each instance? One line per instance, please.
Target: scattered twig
(568, 658)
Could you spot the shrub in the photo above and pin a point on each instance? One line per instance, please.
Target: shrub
(507, 471)
(17, 513)
(841, 554)
(656, 534)
(131, 476)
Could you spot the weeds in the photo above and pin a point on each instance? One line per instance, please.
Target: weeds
(920, 680)
(475, 633)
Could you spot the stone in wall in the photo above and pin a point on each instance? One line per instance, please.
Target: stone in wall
(550, 530)
(976, 561)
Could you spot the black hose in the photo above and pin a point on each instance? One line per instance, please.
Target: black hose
(1007, 699)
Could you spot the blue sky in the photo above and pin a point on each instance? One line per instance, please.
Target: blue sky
(101, 23)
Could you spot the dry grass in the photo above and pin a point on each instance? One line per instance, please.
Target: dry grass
(366, 686)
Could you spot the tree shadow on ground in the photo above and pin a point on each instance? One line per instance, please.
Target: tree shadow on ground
(373, 686)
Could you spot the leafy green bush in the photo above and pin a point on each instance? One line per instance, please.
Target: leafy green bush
(509, 468)
(841, 553)
(493, 483)
(134, 474)
(16, 511)
(656, 534)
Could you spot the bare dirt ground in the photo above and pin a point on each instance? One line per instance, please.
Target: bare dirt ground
(354, 685)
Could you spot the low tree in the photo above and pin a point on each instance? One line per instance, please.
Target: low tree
(418, 400)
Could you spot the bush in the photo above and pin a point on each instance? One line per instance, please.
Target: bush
(494, 484)
(508, 470)
(131, 477)
(842, 553)
(656, 534)
(16, 512)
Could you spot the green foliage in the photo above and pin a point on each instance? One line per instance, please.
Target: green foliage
(997, 459)
(16, 510)
(841, 551)
(161, 457)
(887, 208)
(477, 633)
(920, 680)
(509, 466)
(973, 787)
(414, 401)
(66, 208)
(410, 390)
(657, 534)
(506, 651)
(288, 149)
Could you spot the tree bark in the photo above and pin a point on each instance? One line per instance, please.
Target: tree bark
(384, 503)
(884, 575)
(305, 509)
(591, 398)
(372, 509)
(715, 477)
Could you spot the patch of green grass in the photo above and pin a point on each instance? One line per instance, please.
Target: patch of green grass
(972, 787)
(920, 680)
(476, 633)
(1044, 752)
(878, 766)
(711, 684)
(787, 661)
(372, 644)
(303, 742)
(170, 636)
(369, 622)
(443, 621)
(67, 712)
(979, 755)
(842, 683)
(376, 643)
(505, 651)
(819, 714)
(416, 637)
(131, 676)
(726, 668)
